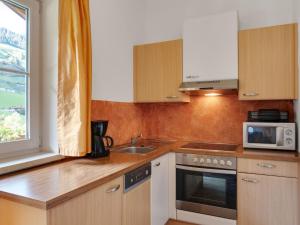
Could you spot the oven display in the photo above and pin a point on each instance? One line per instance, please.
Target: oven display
(261, 135)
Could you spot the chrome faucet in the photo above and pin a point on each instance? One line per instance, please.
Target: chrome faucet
(134, 140)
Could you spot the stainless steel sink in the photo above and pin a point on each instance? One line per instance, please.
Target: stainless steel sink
(137, 149)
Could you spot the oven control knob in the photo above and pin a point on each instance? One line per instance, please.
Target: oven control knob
(202, 160)
(215, 161)
(208, 160)
(289, 132)
(195, 160)
(222, 162)
(229, 163)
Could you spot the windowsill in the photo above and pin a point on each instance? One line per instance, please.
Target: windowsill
(13, 164)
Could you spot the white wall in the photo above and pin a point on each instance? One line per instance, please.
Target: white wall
(49, 29)
(116, 26)
(164, 18)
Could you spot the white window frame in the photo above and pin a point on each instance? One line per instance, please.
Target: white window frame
(33, 108)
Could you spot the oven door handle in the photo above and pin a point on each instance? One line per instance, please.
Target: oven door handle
(197, 169)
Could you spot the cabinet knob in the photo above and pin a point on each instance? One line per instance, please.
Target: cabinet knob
(172, 97)
(266, 165)
(192, 76)
(113, 189)
(248, 180)
(251, 94)
(157, 164)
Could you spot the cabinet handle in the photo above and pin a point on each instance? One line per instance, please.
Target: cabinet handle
(248, 180)
(192, 76)
(252, 94)
(172, 97)
(266, 165)
(113, 189)
(157, 164)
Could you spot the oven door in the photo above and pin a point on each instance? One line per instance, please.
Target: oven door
(206, 191)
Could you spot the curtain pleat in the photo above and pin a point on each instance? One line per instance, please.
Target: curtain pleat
(74, 78)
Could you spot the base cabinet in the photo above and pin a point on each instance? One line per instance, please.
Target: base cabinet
(136, 205)
(99, 206)
(267, 200)
(160, 191)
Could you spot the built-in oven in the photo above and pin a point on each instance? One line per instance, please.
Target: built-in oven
(206, 185)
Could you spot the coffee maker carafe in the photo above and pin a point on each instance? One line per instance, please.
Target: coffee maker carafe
(100, 142)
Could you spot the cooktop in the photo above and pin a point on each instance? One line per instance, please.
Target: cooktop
(210, 146)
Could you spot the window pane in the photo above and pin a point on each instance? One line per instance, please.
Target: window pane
(13, 107)
(13, 37)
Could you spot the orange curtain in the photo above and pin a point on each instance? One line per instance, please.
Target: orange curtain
(74, 78)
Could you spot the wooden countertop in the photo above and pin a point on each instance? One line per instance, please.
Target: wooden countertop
(49, 185)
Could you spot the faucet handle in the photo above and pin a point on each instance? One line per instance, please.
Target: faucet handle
(134, 140)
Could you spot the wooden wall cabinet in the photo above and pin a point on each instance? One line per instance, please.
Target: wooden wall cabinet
(158, 72)
(265, 198)
(268, 63)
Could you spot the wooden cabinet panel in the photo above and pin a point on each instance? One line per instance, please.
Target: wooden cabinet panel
(14, 213)
(268, 167)
(158, 72)
(100, 206)
(160, 191)
(268, 63)
(267, 200)
(136, 205)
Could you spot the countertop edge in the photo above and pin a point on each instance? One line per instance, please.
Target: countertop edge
(48, 204)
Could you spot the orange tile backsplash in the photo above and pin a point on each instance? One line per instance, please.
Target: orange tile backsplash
(205, 119)
(125, 119)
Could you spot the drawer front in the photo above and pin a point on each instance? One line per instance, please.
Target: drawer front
(268, 167)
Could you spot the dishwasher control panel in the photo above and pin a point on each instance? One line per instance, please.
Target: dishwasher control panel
(137, 176)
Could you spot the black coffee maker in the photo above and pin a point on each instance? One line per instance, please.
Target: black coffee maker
(100, 142)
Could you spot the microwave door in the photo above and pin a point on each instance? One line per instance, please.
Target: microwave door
(261, 136)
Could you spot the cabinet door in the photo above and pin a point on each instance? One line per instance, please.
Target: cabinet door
(158, 72)
(268, 63)
(267, 200)
(210, 48)
(100, 206)
(160, 191)
(136, 205)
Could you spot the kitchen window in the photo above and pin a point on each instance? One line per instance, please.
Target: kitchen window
(19, 76)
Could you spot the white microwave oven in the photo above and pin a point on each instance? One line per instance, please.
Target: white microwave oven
(280, 136)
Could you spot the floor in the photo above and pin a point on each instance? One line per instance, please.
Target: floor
(175, 222)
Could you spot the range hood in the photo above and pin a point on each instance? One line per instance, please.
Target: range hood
(216, 87)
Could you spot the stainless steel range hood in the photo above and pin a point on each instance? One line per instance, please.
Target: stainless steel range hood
(217, 87)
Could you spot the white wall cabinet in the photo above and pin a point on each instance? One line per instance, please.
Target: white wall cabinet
(160, 191)
(210, 48)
